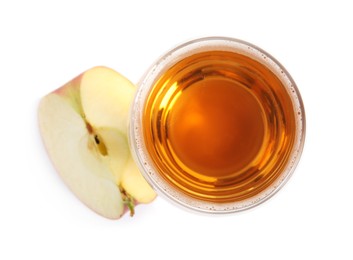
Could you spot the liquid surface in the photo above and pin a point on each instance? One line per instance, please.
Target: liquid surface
(216, 127)
(219, 126)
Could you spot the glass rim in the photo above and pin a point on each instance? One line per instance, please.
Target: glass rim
(136, 139)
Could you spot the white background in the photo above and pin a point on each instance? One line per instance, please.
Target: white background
(44, 44)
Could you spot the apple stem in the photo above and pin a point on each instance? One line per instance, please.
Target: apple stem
(128, 200)
(131, 207)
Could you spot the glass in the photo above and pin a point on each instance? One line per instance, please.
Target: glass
(217, 125)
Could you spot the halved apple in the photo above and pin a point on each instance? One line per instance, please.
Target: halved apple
(84, 128)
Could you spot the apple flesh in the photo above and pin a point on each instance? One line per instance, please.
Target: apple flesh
(84, 129)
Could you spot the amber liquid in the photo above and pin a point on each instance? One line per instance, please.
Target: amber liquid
(219, 126)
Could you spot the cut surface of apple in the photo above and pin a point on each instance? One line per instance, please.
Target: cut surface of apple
(84, 128)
